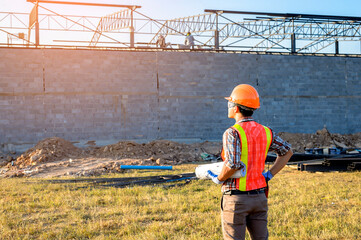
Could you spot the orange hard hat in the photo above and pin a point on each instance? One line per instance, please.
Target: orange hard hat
(245, 95)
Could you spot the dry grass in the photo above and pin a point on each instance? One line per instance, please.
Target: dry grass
(302, 206)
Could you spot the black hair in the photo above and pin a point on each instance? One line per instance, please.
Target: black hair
(245, 112)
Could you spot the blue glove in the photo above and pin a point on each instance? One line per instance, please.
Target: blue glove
(214, 177)
(267, 175)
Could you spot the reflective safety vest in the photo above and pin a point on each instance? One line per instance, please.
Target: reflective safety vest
(255, 141)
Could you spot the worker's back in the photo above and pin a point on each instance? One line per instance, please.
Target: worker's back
(189, 40)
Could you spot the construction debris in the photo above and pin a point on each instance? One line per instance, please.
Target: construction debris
(346, 163)
(322, 139)
(210, 157)
(54, 157)
(58, 157)
(168, 151)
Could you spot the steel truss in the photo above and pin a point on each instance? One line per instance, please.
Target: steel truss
(215, 29)
(313, 33)
(115, 21)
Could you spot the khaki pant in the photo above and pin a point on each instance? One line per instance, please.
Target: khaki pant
(241, 211)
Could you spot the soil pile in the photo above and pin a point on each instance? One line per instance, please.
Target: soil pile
(167, 152)
(47, 150)
(58, 157)
(321, 139)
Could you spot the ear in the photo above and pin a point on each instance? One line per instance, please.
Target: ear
(236, 109)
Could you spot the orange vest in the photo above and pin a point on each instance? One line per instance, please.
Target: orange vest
(255, 141)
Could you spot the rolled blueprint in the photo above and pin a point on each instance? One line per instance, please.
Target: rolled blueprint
(201, 170)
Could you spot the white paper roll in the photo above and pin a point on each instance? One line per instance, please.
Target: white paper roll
(216, 168)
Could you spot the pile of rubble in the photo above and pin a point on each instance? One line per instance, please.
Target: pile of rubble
(165, 151)
(51, 154)
(61, 156)
(321, 139)
(47, 150)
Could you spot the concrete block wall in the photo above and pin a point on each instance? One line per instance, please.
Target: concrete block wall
(109, 96)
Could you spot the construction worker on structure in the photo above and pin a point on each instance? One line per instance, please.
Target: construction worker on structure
(161, 41)
(189, 41)
(245, 146)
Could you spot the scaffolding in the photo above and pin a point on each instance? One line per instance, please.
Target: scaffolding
(214, 30)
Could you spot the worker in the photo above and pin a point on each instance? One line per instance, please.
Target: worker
(245, 147)
(161, 41)
(189, 41)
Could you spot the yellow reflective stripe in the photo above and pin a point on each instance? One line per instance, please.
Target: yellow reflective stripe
(244, 156)
(269, 138)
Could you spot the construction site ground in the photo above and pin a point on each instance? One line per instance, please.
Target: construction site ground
(56, 157)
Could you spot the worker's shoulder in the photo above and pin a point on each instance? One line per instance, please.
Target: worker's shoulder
(252, 124)
(232, 131)
(261, 125)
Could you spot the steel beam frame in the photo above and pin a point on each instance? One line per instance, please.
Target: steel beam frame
(116, 21)
(215, 29)
(106, 23)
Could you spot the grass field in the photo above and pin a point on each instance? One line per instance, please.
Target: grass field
(302, 206)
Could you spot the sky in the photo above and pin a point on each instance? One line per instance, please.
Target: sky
(170, 9)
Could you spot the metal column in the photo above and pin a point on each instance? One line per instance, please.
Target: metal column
(37, 31)
(337, 47)
(216, 35)
(132, 29)
(293, 43)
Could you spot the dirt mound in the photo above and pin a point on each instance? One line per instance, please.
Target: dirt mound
(58, 157)
(47, 150)
(322, 138)
(167, 151)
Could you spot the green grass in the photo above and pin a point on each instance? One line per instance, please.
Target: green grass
(301, 206)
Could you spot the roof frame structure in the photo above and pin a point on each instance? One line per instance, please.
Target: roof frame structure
(219, 30)
(105, 23)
